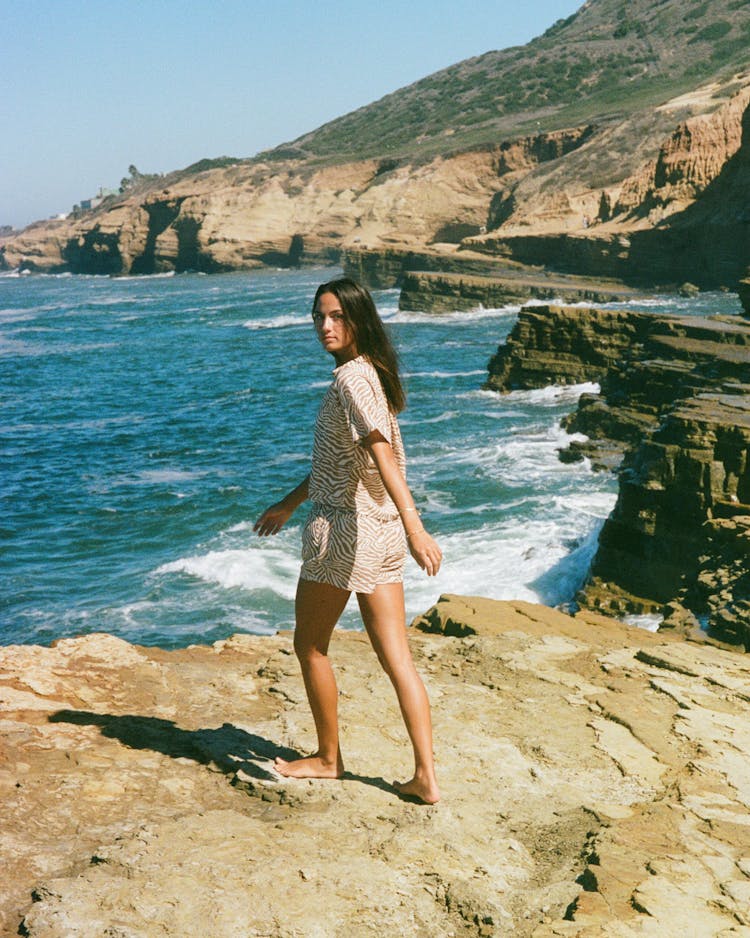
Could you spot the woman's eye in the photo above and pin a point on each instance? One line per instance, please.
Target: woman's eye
(318, 318)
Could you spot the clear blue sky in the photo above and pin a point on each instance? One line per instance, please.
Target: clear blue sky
(91, 86)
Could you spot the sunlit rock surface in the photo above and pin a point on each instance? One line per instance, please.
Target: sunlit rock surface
(594, 782)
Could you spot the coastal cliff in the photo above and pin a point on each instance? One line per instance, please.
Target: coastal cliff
(615, 145)
(673, 415)
(678, 216)
(383, 218)
(277, 214)
(593, 782)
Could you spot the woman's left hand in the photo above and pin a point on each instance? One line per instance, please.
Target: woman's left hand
(424, 549)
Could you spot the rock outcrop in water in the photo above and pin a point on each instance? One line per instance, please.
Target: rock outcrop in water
(674, 401)
(594, 780)
(447, 292)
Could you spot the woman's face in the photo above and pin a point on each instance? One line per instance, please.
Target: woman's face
(333, 330)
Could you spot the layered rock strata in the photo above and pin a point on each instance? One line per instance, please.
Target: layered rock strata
(445, 292)
(384, 269)
(565, 345)
(674, 402)
(593, 782)
(284, 212)
(679, 530)
(681, 214)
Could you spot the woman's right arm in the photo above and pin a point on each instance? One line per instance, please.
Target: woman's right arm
(274, 518)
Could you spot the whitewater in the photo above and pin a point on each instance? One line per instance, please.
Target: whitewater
(147, 421)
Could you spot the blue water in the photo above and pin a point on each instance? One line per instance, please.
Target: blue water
(146, 422)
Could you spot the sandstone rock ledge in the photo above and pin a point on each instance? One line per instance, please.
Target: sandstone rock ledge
(445, 292)
(595, 783)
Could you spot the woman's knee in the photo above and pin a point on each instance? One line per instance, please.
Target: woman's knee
(309, 647)
(398, 666)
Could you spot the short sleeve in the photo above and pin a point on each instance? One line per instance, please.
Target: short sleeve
(364, 403)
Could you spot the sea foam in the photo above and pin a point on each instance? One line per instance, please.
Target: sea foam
(451, 318)
(261, 567)
(539, 561)
(278, 322)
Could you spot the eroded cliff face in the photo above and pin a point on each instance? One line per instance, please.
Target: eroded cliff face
(565, 197)
(282, 214)
(254, 215)
(680, 486)
(678, 214)
(687, 163)
(658, 198)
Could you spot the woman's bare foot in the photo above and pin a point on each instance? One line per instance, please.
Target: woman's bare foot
(311, 767)
(423, 789)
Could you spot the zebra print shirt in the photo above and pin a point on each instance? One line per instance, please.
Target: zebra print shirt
(343, 474)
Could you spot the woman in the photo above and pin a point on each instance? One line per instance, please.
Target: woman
(355, 538)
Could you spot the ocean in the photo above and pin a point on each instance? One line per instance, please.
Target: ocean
(145, 423)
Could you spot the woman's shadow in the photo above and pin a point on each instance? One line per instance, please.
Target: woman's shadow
(227, 747)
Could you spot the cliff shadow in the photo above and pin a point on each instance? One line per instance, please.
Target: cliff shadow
(95, 252)
(160, 217)
(292, 257)
(708, 242)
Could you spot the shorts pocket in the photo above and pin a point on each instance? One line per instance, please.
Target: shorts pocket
(315, 537)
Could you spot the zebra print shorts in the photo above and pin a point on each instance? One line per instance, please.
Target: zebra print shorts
(352, 551)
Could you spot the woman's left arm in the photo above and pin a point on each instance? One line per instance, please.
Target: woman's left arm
(424, 549)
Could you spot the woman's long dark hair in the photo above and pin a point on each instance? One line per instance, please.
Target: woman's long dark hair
(370, 336)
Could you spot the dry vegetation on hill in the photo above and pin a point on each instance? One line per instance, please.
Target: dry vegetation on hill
(608, 60)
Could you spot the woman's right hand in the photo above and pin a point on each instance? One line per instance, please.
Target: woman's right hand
(424, 549)
(273, 519)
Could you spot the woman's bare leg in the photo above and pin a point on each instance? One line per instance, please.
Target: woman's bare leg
(318, 608)
(384, 617)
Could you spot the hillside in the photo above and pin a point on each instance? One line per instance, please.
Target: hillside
(600, 148)
(607, 61)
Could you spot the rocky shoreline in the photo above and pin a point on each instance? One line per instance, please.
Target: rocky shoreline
(673, 417)
(594, 780)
